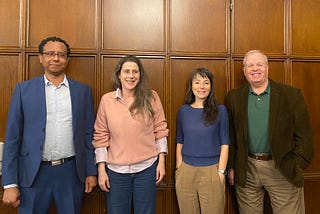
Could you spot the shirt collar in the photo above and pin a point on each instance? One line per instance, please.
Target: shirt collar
(266, 91)
(118, 94)
(64, 82)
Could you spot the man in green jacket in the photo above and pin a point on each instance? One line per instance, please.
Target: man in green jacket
(271, 140)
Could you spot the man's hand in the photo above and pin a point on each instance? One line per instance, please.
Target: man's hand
(231, 176)
(91, 183)
(11, 196)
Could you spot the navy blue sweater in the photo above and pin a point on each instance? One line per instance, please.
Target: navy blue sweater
(201, 144)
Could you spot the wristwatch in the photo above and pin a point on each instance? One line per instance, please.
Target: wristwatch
(224, 172)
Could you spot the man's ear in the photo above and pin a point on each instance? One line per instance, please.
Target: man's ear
(40, 57)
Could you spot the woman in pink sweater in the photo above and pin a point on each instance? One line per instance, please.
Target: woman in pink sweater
(130, 141)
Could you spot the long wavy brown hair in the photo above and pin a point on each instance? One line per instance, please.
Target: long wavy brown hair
(143, 94)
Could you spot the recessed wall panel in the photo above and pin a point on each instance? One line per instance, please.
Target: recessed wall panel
(259, 24)
(10, 23)
(198, 26)
(9, 73)
(305, 27)
(305, 75)
(134, 25)
(73, 20)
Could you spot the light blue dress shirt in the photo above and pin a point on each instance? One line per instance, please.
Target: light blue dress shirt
(59, 135)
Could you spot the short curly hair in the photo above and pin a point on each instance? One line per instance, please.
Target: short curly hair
(53, 39)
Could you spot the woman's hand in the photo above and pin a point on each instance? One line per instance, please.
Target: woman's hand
(222, 177)
(103, 178)
(161, 168)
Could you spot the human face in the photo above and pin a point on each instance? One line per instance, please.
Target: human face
(201, 87)
(54, 58)
(129, 76)
(256, 70)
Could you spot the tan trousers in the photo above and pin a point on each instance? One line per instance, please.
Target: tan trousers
(199, 190)
(262, 175)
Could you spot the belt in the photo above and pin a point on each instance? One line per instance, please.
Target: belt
(58, 162)
(265, 157)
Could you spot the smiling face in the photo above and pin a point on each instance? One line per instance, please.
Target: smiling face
(129, 76)
(256, 70)
(201, 87)
(54, 58)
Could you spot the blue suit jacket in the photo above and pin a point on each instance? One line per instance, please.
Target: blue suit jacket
(25, 132)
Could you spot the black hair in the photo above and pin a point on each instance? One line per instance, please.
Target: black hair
(53, 39)
(210, 105)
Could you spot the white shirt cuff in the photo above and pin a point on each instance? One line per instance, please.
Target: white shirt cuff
(10, 186)
(162, 145)
(101, 154)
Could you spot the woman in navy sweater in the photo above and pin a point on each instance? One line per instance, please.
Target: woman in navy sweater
(202, 148)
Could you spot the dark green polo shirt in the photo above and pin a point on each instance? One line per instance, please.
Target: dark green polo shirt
(258, 121)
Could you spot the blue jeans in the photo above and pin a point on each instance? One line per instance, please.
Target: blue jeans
(137, 189)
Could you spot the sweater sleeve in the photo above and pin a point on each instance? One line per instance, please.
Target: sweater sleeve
(159, 120)
(224, 126)
(101, 135)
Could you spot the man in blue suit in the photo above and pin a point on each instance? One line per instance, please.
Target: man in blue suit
(48, 155)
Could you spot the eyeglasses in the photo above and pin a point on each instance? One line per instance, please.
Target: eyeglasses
(52, 54)
(258, 65)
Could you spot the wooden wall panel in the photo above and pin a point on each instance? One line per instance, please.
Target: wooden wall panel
(305, 27)
(200, 27)
(73, 20)
(155, 69)
(82, 68)
(7, 210)
(161, 201)
(171, 201)
(9, 75)
(134, 25)
(311, 191)
(10, 23)
(109, 63)
(260, 25)
(237, 77)
(95, 202)
(305, 75)
(33, 66)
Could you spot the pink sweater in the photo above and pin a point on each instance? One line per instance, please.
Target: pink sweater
(128, 140)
